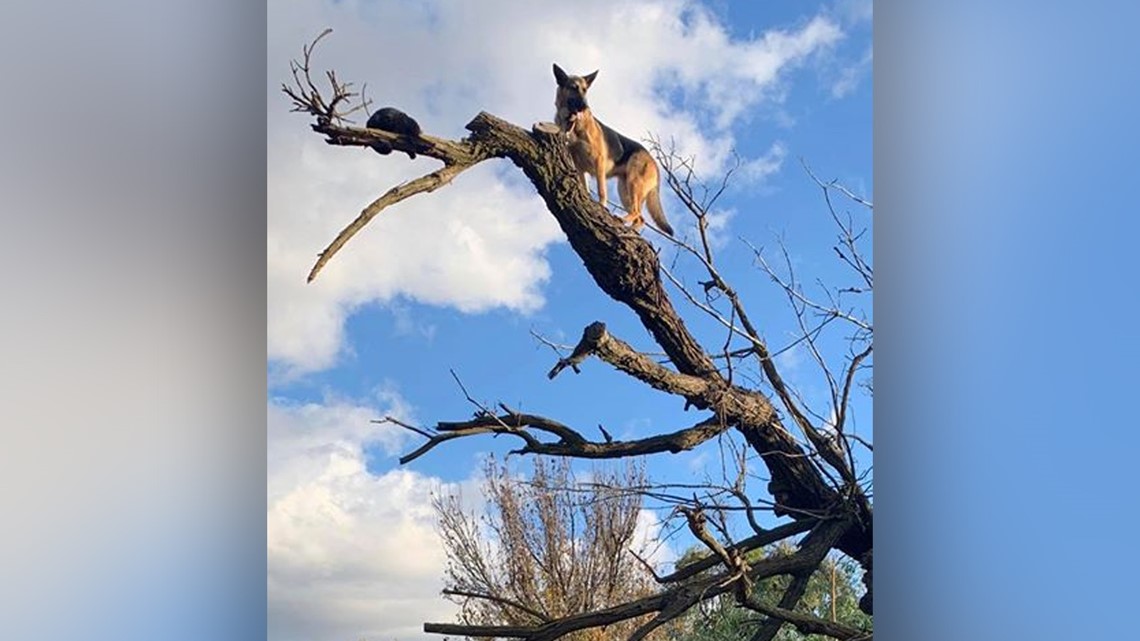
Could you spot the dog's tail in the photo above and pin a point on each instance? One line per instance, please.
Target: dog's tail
(653, 204)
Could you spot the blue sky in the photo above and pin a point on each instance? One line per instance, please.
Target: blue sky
(458, 279)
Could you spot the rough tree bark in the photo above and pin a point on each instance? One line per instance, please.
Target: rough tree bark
(626, 267)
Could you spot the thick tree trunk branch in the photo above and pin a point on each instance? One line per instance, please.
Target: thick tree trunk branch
(807, 623)
(451, 152)
(498, 599)
(556, 629)
(621, 262)
(768, 628)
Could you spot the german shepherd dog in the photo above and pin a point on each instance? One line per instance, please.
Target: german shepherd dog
(604, 153)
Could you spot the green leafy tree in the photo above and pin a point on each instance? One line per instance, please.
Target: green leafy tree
(832, 593)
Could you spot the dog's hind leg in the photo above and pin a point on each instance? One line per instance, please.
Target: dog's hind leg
(630, 202)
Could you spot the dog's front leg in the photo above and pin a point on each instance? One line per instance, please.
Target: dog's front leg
(600, 174)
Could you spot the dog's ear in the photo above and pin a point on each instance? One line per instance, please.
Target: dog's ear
(560, 75)
(590, 78)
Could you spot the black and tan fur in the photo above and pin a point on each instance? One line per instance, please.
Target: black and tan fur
(604, 153)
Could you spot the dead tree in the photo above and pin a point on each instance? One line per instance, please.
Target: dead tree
(813, 479)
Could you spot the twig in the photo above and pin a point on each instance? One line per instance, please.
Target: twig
(407, 426)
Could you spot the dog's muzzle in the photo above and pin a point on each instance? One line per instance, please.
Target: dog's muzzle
(576, 105)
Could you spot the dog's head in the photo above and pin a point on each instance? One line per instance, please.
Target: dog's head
(571, 94)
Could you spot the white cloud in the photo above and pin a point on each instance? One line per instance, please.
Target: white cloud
(475, 245)
(351, 554)
(649, 543)
(855, 12)
(698, 462)
(851, 75)
(718, 220)
(759, 168)
(789, 359)
(479, 243)
(407, 325)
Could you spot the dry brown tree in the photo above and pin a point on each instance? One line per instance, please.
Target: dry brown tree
(546, 547)
(813, 483)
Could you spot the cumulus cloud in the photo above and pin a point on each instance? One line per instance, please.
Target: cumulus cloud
(351, 553)
(480, 243)
(649, 543)
(760, 167)
(475, 245)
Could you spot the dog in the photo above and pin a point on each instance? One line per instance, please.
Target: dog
(603, 153)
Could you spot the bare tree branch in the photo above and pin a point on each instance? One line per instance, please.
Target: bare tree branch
(598, 342)
(407, 426)
(851, 369)
(307, 98)
(422, 185)
(497, 599)
(836, 186)
(571, 442)
(683, 189)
